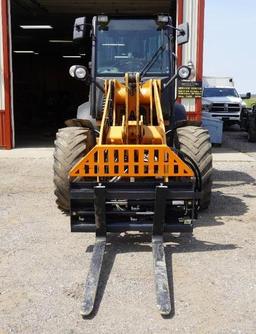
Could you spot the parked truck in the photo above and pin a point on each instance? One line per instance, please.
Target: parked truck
(221, 100)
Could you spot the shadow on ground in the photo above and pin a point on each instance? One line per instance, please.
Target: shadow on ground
(224, 178)
(222, 205)
(238, 140)
(133, 243)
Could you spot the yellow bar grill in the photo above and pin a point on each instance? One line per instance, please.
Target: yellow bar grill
(131, 161)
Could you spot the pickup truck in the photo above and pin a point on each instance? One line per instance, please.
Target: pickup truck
(221, 100)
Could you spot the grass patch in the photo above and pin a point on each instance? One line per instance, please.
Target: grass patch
(250, 102)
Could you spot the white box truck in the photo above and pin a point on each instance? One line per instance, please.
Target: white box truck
(221, 99)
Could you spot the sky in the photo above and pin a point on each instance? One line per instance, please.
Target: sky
(230, 43)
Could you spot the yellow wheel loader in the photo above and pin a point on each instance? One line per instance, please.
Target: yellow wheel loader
(133, 162)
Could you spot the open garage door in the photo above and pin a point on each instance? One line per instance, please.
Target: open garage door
(44, 94)
(81, 7)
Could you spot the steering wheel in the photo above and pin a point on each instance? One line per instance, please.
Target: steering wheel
(133, 65)
(108, 69)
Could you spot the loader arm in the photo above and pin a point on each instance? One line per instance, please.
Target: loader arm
(132, 140)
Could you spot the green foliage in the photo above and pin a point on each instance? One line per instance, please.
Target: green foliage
(250, 102)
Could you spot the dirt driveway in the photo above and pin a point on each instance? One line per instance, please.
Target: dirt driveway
(43, 266)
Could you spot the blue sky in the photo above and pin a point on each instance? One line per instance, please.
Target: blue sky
(230, 44)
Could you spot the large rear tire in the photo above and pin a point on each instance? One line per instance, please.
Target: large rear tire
(252, 128)
(195, 142)
(71, 144)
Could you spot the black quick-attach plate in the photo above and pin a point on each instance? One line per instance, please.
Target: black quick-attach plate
(141, 195)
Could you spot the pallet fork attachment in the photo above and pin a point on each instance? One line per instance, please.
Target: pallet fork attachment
(93, 277)
(159, 262)
(160, 269)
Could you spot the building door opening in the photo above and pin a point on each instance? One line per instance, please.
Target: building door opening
(44, 95)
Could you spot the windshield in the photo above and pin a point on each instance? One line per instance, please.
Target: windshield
(220, 92)
(128, 45)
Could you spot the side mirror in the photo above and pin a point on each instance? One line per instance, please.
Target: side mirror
(183, 34)
(246, 96)
(79, 28)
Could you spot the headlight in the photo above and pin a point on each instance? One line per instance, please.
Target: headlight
(184, 72)
(102, 19)
(206, 107)
(78, 72)
(163, 19)
(72, 71)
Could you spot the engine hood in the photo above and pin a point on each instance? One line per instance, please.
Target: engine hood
(222, 99)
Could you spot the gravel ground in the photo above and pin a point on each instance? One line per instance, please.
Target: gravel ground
(43, 266)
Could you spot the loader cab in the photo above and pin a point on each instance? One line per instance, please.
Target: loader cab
(123, 44)
(126, 45)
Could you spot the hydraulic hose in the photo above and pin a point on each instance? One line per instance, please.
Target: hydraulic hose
(191, 163)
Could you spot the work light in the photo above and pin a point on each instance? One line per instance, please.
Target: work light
(162, 19)
(103, 19)
(72, 71)
(78, 72)
(184, 72)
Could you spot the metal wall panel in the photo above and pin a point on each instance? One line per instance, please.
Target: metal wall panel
(2, 93)
(5, 78)
(190, 50)
(192, 11)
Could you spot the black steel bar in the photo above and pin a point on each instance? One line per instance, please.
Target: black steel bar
(100, 210)
(127, 226)
(142, 184)
(161, 278)
(92, 280)
(160, 207)
(113, 194)
(126, 213)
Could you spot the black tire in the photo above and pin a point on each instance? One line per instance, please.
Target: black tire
(252, 129)
(71, 144)
(195, 142)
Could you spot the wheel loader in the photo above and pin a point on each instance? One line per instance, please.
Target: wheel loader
(132, 161)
